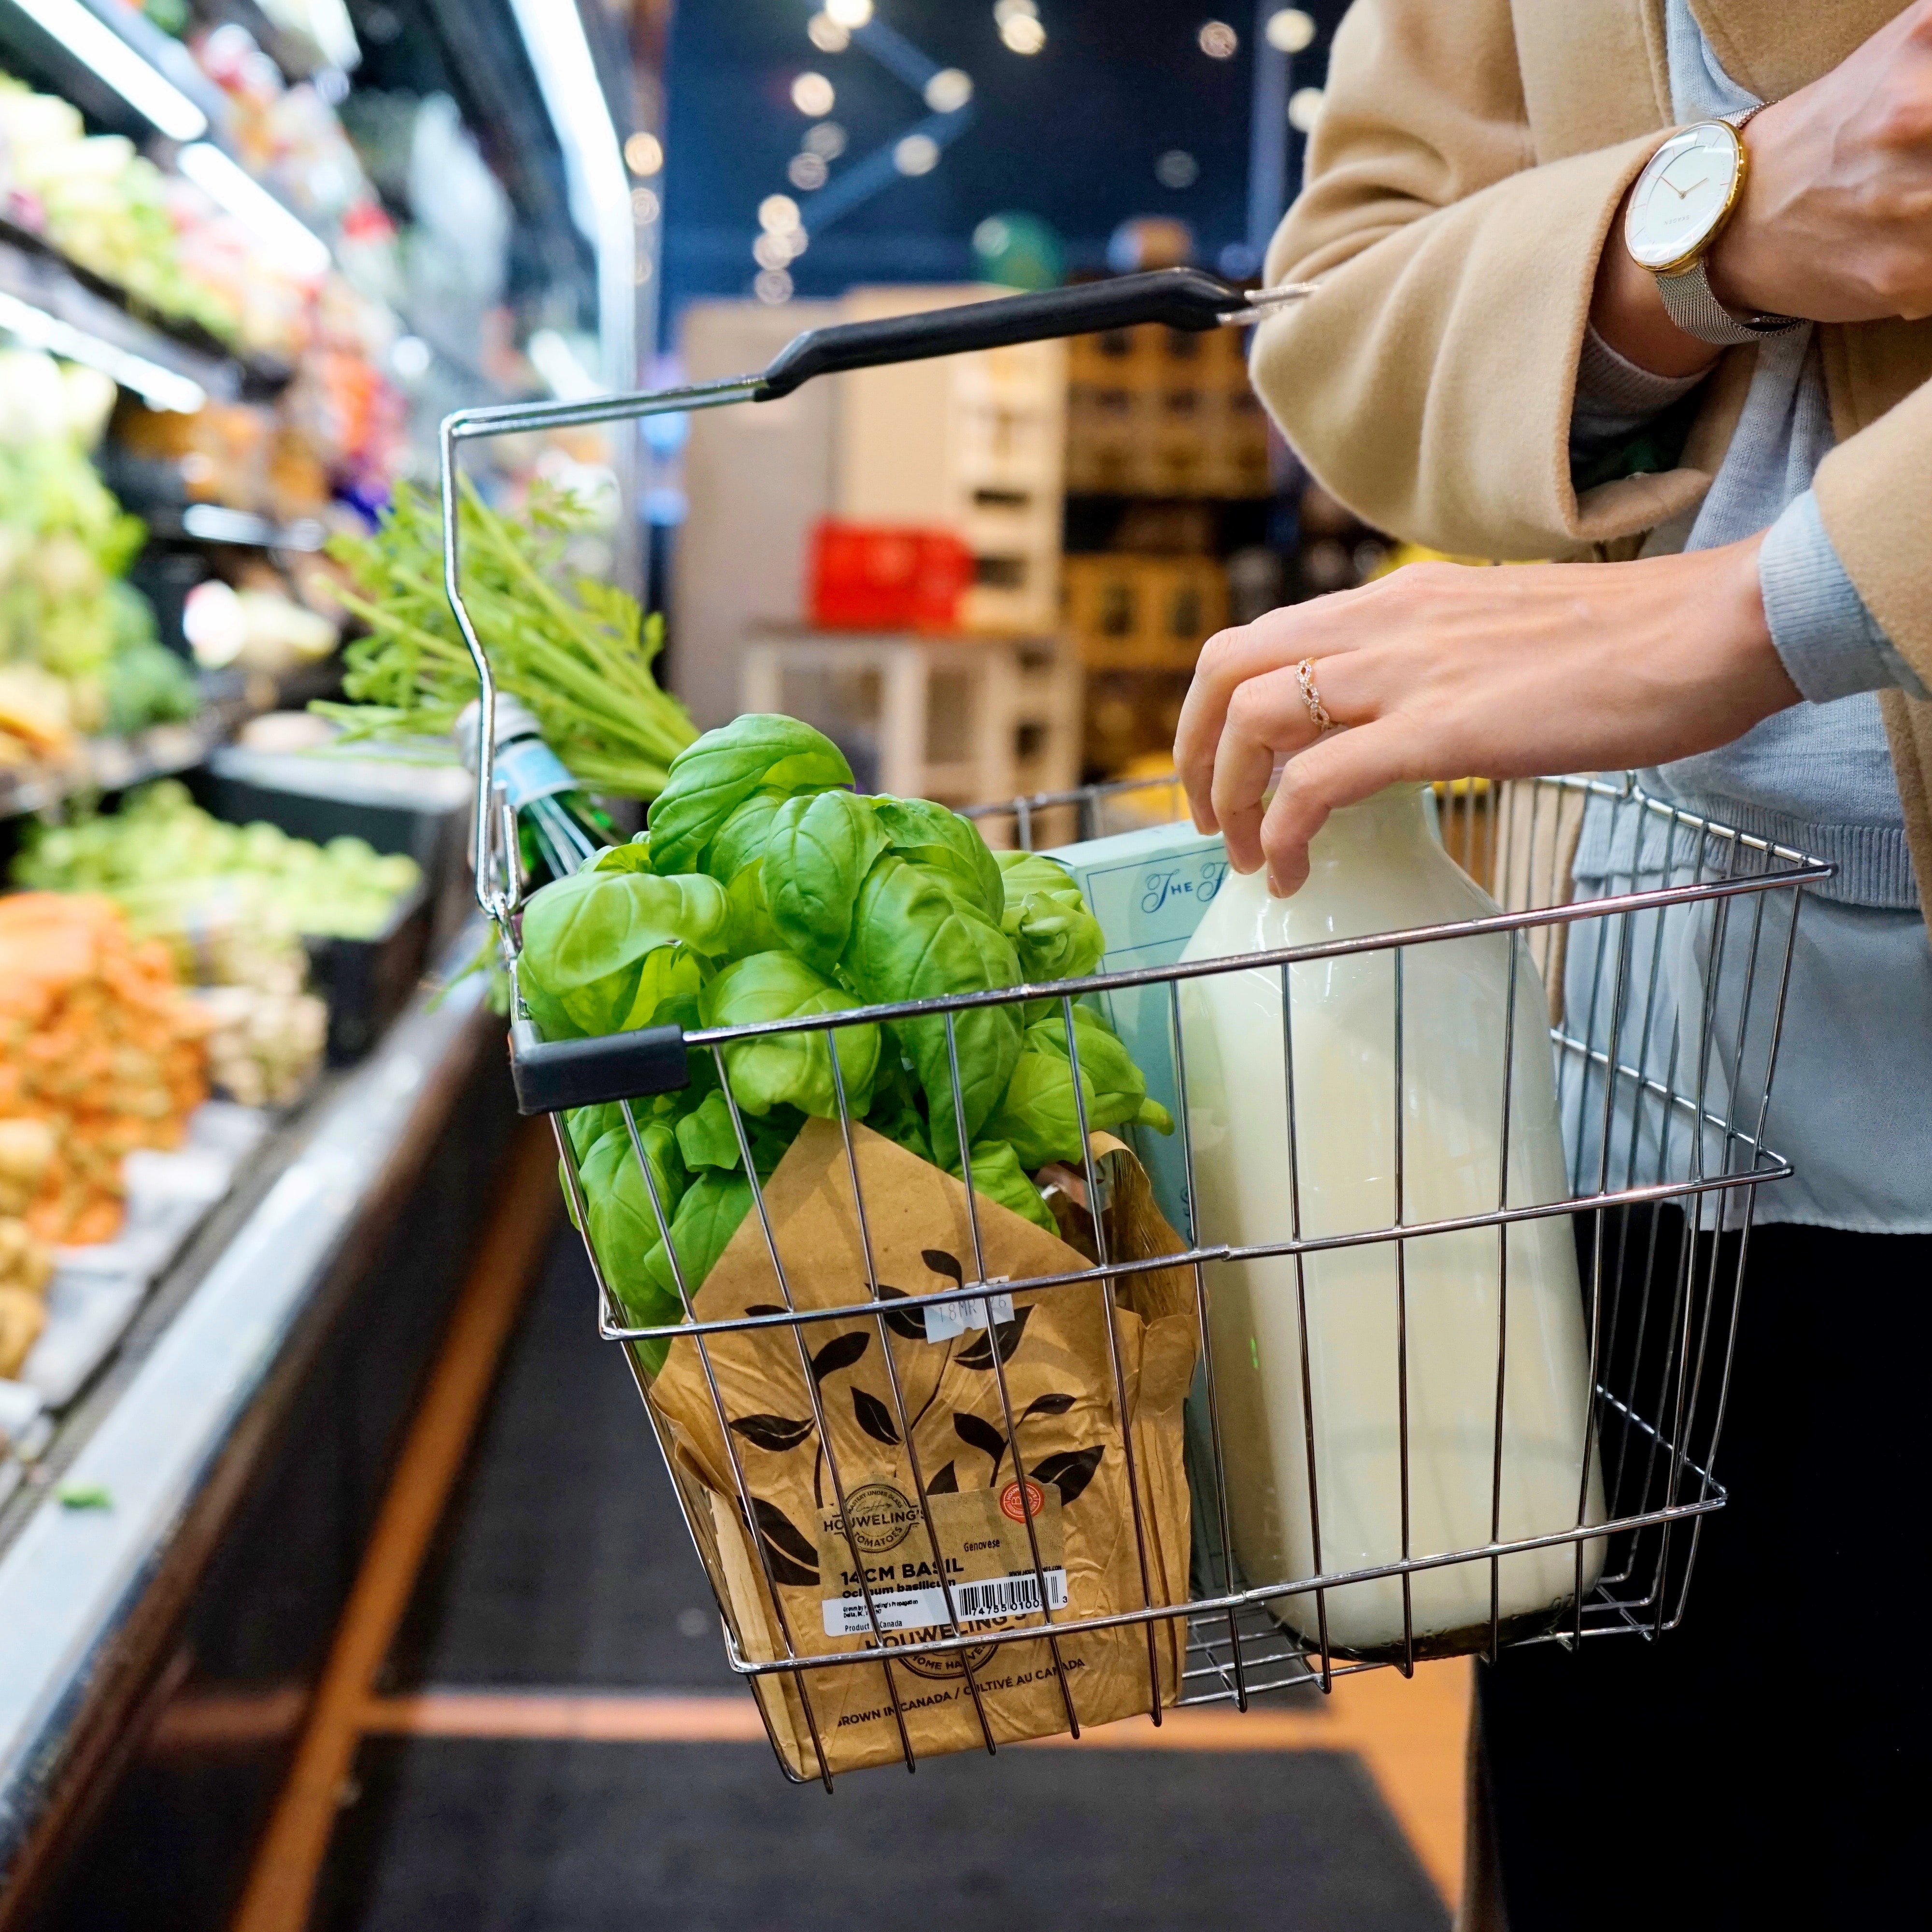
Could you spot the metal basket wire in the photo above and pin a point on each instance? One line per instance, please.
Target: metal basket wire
(1666, 967)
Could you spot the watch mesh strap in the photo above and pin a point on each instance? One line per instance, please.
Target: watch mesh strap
(1690, 303)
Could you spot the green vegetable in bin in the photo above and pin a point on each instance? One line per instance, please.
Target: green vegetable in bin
(928, 834)
(912, 938)
(767, 891)
(710, 779)
(1045, 917)
(791, 1069)
(589, 941)
(818, 851)
(998, 1175)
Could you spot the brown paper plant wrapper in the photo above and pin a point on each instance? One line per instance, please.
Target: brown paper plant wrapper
(1060, 1384)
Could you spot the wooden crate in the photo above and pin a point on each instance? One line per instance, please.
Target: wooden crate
(1147, 613)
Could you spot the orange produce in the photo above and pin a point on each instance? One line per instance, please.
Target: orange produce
(97, 1040)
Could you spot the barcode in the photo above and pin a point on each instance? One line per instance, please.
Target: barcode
(1009, 1596)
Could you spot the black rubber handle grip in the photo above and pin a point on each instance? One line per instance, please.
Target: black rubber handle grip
(1188, 299)
(551, 1075)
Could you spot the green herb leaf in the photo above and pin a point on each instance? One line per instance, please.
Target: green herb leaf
(1045, 917)
(761, 751)
(928, 834)
(998, 1175)
(818, 850)
(790, 1069)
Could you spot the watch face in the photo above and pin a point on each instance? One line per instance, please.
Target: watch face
(1683, 195)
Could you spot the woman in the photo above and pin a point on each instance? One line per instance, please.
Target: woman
(1510, 356)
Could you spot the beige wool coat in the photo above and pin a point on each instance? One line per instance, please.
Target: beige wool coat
(1463, 176)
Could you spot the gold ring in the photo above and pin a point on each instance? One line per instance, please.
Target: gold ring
(1317, 711)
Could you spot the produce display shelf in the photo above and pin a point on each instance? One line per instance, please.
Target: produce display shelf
(112, 764)
(164, 751)
(240, 529)
(149, 1443)
(34, 272)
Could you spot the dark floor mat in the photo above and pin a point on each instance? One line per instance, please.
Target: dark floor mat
(563, 1560)
(576, 1837)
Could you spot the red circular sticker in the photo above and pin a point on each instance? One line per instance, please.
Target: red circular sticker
(1011, 1505)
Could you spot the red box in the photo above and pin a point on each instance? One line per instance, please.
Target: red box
(877, 576)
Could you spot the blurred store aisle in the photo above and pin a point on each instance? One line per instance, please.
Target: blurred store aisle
(554, 1739)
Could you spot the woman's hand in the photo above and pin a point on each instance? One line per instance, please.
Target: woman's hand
(1446, 670)
(1835, 222)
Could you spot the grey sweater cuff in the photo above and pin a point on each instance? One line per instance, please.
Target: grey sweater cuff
(1615, 398)
(1831, 644)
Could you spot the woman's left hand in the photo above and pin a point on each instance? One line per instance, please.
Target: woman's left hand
(1446, 671)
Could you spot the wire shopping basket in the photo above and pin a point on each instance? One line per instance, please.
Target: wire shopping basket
(1665, 943)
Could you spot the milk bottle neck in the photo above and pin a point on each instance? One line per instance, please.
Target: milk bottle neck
(1391, 826)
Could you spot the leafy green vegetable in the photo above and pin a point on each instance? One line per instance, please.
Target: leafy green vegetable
(709, 780)
(740, 842)
(790, 1069)
(928, 834)
(1045, 917)
(576, 651)
(708, 1216)
(587, 939)
(752, 929)
(819, 849)
(767, 894)
(913, 938)
(998, 1175)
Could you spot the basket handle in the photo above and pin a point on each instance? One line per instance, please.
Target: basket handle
(1183, 299)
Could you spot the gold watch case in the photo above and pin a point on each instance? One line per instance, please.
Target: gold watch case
(1688, 140)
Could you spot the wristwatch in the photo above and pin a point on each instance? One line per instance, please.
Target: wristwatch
(1682, 201)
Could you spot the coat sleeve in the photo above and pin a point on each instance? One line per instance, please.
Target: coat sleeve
(1429, 384)
(1874, 494)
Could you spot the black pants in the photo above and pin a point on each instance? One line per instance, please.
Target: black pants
(1765, 1764)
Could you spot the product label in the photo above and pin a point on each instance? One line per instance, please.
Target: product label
(528, 769)
(988, 1564)
(952, 1319)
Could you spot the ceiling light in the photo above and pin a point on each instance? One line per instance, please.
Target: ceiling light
(222, 180)
(1304, 104)
(1218, 41)
(778, 214)
(771, 251)
(850, 14)
(917, 154)
(1004, 11)
(827, 34)
(96, 45)
(812, 94)
(949, 90)
(1290, 31)
(644, 207)
(574, 100)
(807, 172)
(644, 154)
(410, 358)
(1022, 34)
(827, 140)
(1177, 169)
(772, 287)
(159, 388)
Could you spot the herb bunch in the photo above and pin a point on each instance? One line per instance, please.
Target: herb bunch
(580, 657)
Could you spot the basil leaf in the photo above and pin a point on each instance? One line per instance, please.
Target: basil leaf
(914, 938)
(928, 834)
(709, 780)
(789, 1069)
(1038, 1112)
(998, 1175)
(819, 849)
(1045, 917)
(740, 842)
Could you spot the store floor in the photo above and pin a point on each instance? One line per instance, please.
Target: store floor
(554, 1740)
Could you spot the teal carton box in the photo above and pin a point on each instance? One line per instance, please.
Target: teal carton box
(1149, 889)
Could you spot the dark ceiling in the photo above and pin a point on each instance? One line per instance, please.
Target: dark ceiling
(1071, 134)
